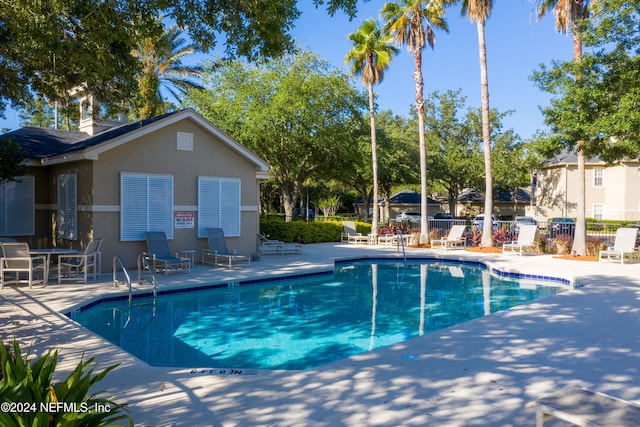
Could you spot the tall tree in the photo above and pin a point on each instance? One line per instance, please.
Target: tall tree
(614, 68)
(162, 69)
(371, 55)
(398, 154)
(569, 16)
(296, 112)
(40, 113)
(453, 143)
(11, 160)
(478, 11)
(49, 46)
(413, 23)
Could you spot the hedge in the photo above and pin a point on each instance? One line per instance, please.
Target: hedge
(307, 232)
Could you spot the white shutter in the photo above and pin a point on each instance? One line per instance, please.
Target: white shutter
(219, 205)
(230, 206)
(146, 204)
(208, 198)
(161, 204)
(67, 206)
(17, 207)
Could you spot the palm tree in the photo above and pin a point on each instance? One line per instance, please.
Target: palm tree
(162, 68)
(405, 21)
(371, 55)
(478, 11)
(567, 15)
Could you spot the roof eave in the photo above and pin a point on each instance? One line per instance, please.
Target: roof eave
(64, 158)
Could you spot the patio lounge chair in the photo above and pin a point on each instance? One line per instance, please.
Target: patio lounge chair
(526, 241)
(268, 246)
(161, 257)
(582, 407)
(350, 234)
(17, 259)
(455, 239)
(218, 255)
(624, 247)
(6, 240)
(90, 259)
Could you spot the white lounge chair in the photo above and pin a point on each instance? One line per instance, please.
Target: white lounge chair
(268, 246)
(17, 259)
(526, 241)
(624, 247)
(350, 234)
(455, 239)
(90, 259)
(217, 254)
(582, 407)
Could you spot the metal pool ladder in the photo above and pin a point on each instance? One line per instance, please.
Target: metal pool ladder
(118, 261)
(401, 242)
(143, 262)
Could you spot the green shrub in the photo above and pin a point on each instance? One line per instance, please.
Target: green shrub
(307, 232)
(29, 387)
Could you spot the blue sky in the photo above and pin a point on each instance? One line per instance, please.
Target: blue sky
(516, 45)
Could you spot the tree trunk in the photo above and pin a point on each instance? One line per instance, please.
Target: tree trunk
(487, 230)
(288, 202)
(374, 163)
(417, 75)
(580, 235)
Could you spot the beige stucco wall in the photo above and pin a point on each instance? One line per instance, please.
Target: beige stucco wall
(621, 195)
(551, 196)
(557, 190)
(631, 192)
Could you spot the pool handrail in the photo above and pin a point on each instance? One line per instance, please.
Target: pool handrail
(143, 262)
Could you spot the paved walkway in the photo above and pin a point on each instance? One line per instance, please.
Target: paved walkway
(479, 373)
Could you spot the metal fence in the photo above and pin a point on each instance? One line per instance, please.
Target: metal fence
(605, 232)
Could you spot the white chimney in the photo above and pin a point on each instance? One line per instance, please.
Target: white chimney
(94, 117)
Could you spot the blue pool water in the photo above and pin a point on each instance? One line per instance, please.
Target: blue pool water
(307, 322)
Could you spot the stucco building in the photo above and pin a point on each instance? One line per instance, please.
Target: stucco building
(611, 191)
(176, 173)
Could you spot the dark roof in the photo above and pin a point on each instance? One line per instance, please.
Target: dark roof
(471, 195)
(409, 197)
(523, 196)
(570, 157)
(404, 197)
(40, 143)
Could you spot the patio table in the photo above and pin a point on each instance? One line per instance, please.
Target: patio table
(48, 252)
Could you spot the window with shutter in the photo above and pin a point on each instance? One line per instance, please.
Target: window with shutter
(17, 207)
(67, 206)
(146, 204)
(219, 205)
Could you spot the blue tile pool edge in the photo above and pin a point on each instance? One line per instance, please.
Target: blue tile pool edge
(83, 306)
(178, 289)
(564, 281)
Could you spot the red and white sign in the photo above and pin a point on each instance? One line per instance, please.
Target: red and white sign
(184, 219)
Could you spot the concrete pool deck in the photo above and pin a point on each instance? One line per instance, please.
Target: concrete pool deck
(481, 372)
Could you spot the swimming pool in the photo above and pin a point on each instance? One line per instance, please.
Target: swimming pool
(306, 322)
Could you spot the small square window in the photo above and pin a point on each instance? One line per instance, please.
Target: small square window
(185, 141)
